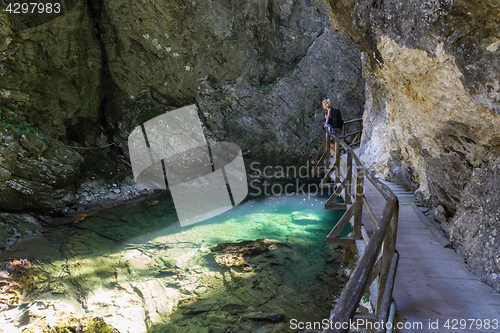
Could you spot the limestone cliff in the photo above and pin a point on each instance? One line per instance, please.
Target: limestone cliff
(432, 70)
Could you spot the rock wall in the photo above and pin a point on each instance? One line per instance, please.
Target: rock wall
(432, 70)
(51, 70)
(281, 124)
(75, 84)
(157, 52)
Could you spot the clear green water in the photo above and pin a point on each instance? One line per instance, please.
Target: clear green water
(137, 268)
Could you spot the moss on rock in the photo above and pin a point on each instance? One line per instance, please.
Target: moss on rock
(72, 325)
(13, 226)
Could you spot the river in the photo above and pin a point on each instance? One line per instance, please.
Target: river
(251, 269)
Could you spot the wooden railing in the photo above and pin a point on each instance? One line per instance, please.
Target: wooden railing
(375, 238)
(356, 135)
(323, 153)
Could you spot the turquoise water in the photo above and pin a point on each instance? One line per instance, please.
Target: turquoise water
(136, 267)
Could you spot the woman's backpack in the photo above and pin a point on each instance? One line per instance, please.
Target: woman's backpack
(336, 118)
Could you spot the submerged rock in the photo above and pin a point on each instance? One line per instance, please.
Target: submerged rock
(268, 272)
(305, 217)
(239, 254)
(17, 226)
(195, 306)
(272, 317)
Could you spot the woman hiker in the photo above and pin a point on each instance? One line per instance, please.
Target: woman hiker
(332, 120)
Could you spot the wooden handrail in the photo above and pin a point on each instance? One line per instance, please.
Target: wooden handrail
(350, 134)
(324, 153)
(380, 257)
(353, 121)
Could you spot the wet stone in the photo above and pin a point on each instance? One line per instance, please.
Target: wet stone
(194, 306)
(272, 317)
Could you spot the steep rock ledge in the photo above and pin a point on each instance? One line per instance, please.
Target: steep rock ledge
(432, 111)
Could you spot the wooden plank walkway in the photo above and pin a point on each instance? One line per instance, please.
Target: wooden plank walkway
(432, 283)
(433, 286)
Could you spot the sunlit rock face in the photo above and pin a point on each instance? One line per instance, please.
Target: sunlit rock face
(432, 114)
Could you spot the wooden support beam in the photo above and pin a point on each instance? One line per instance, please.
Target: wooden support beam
(336, 205)
(340, 241)
(357, 120)
(327, 176)
(320, 154)
(348, 180)
(350, 133)
(337, 162)
(379, 236)
(359, 200)
(341, 223)
(388, 250)
(335, 194)
(368, 210)
(355, 143)
(354, 290)
(376, 271)
(365, 317)
(326, 138)
(387, 297)
(366, 237)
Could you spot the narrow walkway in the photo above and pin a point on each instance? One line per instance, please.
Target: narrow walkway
(433, 286)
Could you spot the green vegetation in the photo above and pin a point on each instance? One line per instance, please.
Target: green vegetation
(287, 72)
(3, 233)
(22, 128)
(282, 76)
(12, 223)
(366, 297)
(89, 325)
(4, 124)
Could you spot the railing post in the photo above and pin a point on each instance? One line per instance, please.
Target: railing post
(319, 154)
(327, 150)
(337, 162)
(388, 250)
(387, 297)
(348, 177)
(359, 192)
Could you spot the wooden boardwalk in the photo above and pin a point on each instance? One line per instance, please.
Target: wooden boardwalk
(406, 256)
(433, 285)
